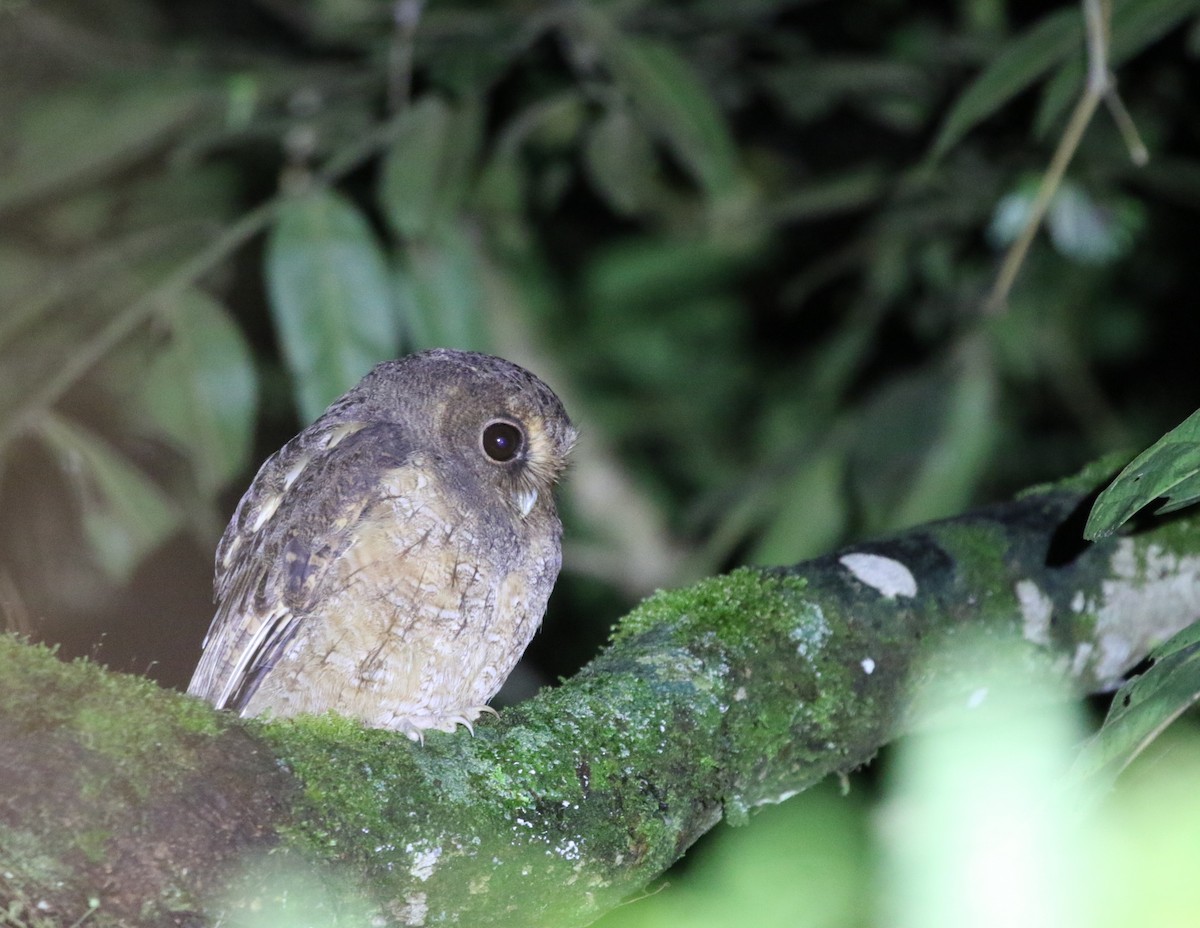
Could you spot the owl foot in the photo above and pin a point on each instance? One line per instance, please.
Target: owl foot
(468, 716)
(415, 728)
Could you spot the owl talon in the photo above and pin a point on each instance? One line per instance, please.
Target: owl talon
(469, 715)
(415, 728)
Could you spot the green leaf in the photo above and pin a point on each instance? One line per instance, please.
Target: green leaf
(120, 124)
(126, 515)
(1170, 469)
(202, 390)
(1144, 707)
(22, 272)
(809, 512)
(637, 273)
(621, 162)
(831, 195)
(925, 442)
(1135, 25)
(428, 167)
(809, 87)
(797, 866)
(674, 103)
(57, 331)
(1019, 64)
(440, 291)
(330, 297)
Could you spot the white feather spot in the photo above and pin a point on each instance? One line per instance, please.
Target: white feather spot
(526, 497)
(342, 431)
(888, 576)
(265, 511)
(296, 470)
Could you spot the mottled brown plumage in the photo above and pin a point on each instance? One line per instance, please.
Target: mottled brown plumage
(393, 560)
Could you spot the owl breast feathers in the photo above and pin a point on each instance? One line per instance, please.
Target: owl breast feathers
(393, 560)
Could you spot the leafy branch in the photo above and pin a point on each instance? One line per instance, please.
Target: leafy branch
(1099, 86)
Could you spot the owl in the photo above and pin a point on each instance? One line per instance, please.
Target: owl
(392, 561)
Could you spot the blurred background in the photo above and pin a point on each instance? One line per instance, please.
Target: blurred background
(748, 243)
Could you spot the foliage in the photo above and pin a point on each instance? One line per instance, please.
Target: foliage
(1147, 704)
(1169, 469)
(1144, 707)
(720, 219)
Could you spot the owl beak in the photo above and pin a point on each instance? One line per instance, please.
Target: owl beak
(526, 497)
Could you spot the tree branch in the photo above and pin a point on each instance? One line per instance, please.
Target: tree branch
(134, 805)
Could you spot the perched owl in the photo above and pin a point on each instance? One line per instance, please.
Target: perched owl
(393, 560)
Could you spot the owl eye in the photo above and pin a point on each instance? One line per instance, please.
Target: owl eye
(502, 441)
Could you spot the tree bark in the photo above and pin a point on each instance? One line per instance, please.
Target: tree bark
(133, 805)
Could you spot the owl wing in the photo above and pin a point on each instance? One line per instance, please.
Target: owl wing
(296, 519)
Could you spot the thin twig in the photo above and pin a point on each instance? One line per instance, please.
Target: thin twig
(1015, 256)
(1100, 85)
(1138, 153)
(406, 15)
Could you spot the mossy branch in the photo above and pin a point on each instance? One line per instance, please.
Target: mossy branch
(134, 805)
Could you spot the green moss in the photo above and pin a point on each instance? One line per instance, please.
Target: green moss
(629, 788)
(127, 724)
(27, 861)
(738, 607)
(1090, 477)
(109, 741)
(978, 551)
(347, 772)
(92, 843)
(87, 697)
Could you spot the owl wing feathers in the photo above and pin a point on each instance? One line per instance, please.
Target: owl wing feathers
(296, 519)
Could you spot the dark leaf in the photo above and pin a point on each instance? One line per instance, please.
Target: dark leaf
(673, 101)
(330, 297)
(1144, 707)
(427, 169)
(440, 293)
(1169, 469)
(1018, 65)
(120, 123)
(126, 515)
(202, 391)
